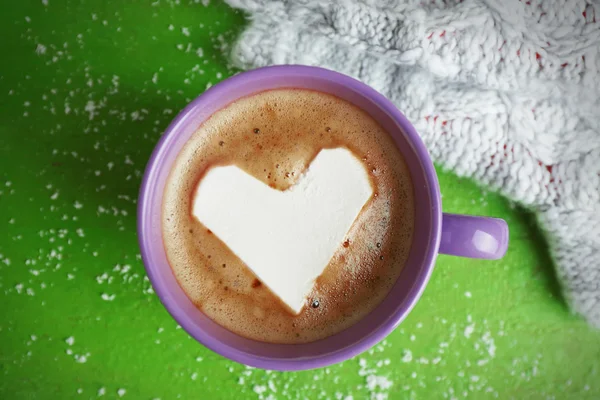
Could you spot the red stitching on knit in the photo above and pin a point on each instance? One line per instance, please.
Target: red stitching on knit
(548, 167)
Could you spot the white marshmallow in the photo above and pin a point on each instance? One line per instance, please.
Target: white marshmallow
(286, 238)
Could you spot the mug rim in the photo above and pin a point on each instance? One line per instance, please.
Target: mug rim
(149, 181)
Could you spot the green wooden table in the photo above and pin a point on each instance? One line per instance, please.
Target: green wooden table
(86, 88)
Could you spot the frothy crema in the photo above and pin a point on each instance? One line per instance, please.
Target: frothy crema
(274, 136)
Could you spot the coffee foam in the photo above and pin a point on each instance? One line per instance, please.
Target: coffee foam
(274, 136)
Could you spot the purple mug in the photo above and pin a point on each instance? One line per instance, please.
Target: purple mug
(434, 232)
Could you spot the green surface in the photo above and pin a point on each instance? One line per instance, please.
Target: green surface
(86, 88)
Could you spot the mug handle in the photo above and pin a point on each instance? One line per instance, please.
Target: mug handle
(473, 237)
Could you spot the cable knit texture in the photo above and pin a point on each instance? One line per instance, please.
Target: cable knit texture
(504, 92)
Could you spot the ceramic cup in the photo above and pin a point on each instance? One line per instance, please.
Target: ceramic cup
(434, 233)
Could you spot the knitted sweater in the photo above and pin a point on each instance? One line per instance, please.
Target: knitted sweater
(504, 92)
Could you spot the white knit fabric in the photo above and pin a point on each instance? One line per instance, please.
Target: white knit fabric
(505, 92)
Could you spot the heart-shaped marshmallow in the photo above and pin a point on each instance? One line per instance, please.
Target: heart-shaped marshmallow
(286, 238)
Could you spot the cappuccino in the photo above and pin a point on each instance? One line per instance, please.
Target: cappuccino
(279, 142)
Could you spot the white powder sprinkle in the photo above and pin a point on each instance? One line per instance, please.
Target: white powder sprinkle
(101, 391)
(469, 330)
(40, 49)
(407, 356)
(489, 341)
(259, 389)
(91, 107)
(81, 358)
(121, 392)
(468, 294)
(108, 297)
(70, 340)
(381, 382)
